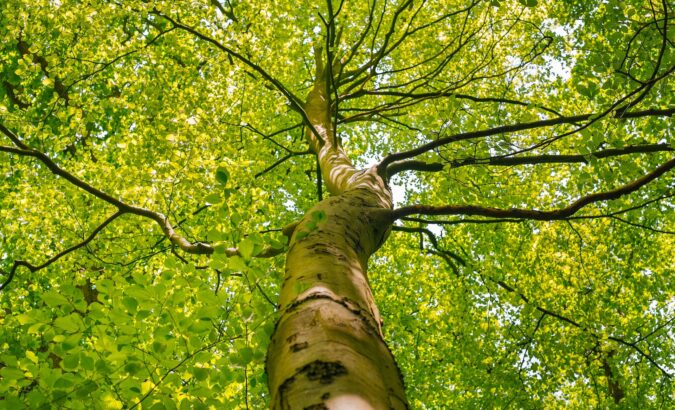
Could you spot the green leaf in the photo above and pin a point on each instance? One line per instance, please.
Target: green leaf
(246, 249)
(130, 303)
(200, 373)
(219, 248)
(242, 357)
(86, 362)
(68, 323)
(222, 175)
(11, 373)
(237, 264)
(528, 3)
(70, 362)
(63, 383)
(32, 356)
(132, 367)
(213, 198)
(158, 347)
(54, 299)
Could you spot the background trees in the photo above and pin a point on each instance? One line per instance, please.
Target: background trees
(113, 112)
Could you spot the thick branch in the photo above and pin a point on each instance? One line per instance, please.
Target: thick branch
(199, 248)
(571, 218)
(413, 165)
(517, 213)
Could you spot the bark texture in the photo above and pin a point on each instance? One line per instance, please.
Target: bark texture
(327, 350)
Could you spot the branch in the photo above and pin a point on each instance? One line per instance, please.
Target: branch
(461, 221)
(561, 159)
(441, 94)
(571, 218)
(293, 100)
(382, 166)
(517, 213)
(199, 248)
(171, 370)
(282, 160)
(637, 225)
(648, 85)
(434, 242)
(413, 165)
(59, 255)
(578, 325)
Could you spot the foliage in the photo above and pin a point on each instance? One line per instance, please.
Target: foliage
(189, 109)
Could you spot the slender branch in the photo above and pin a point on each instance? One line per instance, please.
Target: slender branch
(281, 160)
(294, 101)
(517, 213)
(648, 85)
(637, 225)
(268, 137)
(434, 243)
(319, 181)
(623, 211)
(510, 129)
(656, 329)
(267, 298)
(578, 325)
(33, 268)
(562, 159)
(178, 365)
(443, 94)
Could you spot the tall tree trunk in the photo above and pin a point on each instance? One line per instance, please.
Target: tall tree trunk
(327, 350)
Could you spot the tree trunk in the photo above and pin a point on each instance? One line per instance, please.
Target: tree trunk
(327, 350)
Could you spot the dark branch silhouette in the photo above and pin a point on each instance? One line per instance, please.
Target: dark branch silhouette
(10, 275)
(504, 129)
(578, 325)
(533, 214)
(294, 101)
(562, 159)
(199, 248)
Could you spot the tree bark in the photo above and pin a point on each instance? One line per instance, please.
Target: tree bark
(327, 350)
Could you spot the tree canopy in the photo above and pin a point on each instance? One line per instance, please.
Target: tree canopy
(153, 152)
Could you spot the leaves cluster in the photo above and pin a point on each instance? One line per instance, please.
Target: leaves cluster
(489, 314)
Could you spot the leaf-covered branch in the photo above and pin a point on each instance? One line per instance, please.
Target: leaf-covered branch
(533, 214)
(294, 101)
(168, 230)
(504, 129)
(562, 159)
(446, 255)
(574, 323)
(9, 276)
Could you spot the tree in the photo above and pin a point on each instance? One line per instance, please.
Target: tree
(502, 170)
